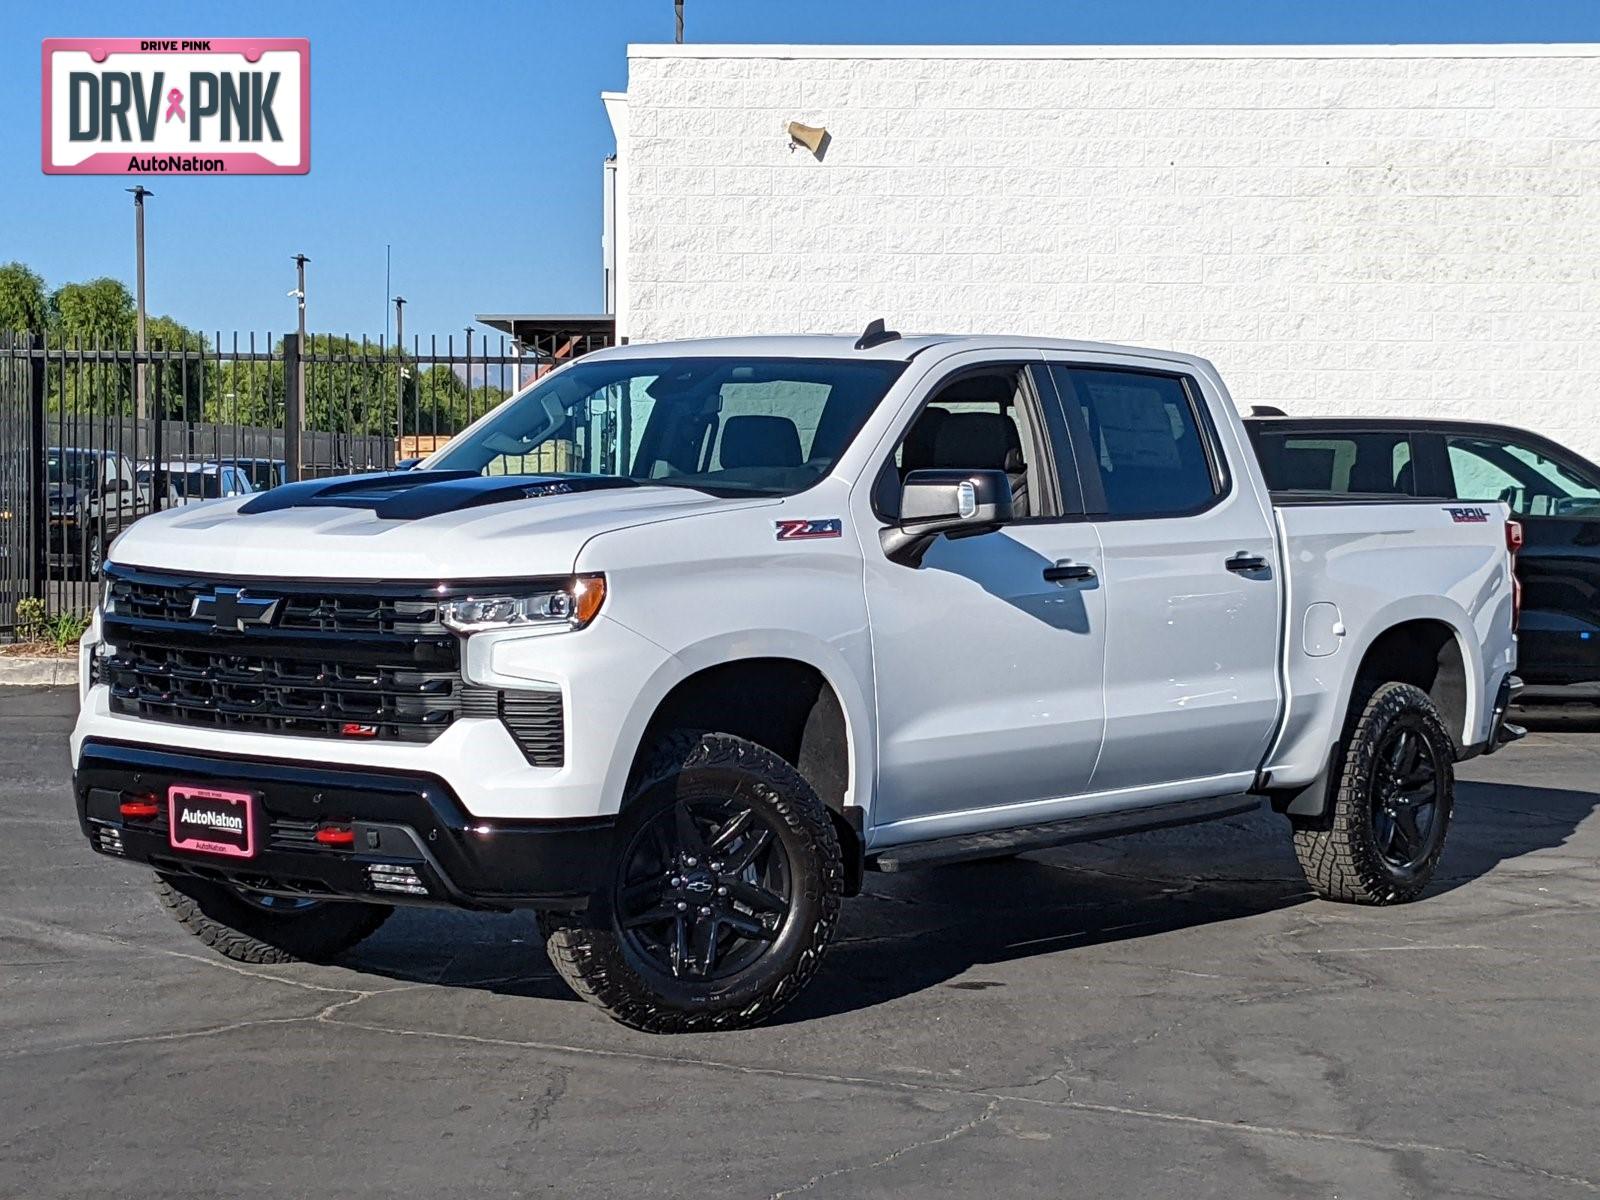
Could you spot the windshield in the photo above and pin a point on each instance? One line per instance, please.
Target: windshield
(730, 426)
(73, 467)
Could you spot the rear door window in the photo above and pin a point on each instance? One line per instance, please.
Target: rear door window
(1369, 463)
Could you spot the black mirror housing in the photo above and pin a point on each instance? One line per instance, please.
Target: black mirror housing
(955, 503)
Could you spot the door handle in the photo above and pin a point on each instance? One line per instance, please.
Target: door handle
(1067, 571)
(1243, 562)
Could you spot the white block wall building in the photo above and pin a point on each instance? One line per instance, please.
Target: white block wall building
(1394, 230)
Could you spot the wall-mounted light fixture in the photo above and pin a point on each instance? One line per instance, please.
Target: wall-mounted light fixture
(813, 137)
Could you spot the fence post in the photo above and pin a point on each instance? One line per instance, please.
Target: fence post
(292, 404)
(38, 474)
(158, 445)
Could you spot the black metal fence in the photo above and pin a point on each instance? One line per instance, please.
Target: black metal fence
(93, 437)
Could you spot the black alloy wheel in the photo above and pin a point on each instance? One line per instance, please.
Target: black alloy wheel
(1390, 796)
(723, 894)
(705, 889)
(1407, 789)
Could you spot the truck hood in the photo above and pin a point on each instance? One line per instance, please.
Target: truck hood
(409, 525)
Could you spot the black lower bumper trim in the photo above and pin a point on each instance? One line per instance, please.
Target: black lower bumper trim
(1502, 731)
(413, 843)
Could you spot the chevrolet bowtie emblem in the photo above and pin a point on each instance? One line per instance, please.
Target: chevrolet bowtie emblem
(230, 610)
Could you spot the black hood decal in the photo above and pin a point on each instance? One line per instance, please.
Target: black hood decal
(412, 495)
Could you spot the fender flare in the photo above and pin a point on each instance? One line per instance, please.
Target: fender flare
(725, 649)
(1311, 799)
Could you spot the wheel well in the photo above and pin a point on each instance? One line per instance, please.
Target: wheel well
(1427, 655)
(786, 706)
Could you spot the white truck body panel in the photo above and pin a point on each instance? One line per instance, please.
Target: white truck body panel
(975, 695)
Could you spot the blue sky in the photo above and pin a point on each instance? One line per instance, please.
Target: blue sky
(470, 136)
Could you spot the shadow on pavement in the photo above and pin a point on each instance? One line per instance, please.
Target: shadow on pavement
(924, 929)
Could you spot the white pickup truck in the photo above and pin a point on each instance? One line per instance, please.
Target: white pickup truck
(680, 641)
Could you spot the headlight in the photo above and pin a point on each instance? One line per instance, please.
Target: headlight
(571, 604)
(108, 602)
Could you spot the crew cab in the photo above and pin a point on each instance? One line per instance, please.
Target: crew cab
(193, 482)
(675, 644)
(1553, 492)
(93, 496)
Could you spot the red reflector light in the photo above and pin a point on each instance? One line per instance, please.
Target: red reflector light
(354, 729)
(335, 835)
(1513, 536)
(140, 807)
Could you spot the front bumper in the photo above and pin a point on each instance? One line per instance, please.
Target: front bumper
(414, 843)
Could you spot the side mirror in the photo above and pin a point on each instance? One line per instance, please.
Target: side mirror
(956, 503)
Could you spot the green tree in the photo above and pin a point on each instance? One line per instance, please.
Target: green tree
(23, 308)
(99, 312)
(352, 386)
(181, 376)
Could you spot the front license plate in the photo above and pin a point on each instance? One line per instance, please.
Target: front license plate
(211, 821)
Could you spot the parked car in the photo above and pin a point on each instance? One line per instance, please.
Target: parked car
(837, 604)
(1553, 492)
(264, 473)
(178, 483)
(93, 496)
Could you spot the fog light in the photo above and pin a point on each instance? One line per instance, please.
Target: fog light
(108, 839)
(389, 877)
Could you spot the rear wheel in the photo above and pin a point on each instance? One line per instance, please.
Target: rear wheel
(1380, 839)
(254, 927)
(724, 893)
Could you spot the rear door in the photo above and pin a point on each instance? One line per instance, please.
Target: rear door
(1191, 686)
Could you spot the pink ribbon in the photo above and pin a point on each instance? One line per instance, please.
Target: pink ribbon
(175, 106)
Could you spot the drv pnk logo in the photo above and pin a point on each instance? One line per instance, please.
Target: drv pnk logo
(176, 106)
(804, 530)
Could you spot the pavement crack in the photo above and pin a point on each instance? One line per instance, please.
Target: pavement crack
(953, 1089)
(988, 1114)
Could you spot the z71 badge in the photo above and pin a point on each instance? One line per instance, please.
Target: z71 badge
(805, 530)
(1468, 516)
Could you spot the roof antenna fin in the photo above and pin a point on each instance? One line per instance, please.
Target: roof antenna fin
(875, 335)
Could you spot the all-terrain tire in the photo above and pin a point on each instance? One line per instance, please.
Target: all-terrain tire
(1339, 849)
(589, 951)
(237, 929)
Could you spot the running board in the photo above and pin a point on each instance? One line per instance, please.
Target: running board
(1002, 842)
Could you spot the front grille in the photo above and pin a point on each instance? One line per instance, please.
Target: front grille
(357, 661)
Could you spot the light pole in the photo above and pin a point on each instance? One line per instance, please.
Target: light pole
(300, 261)
(400, 378)
(139, 193)
(677, 12)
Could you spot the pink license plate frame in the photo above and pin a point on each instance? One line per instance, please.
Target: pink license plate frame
(201, 820)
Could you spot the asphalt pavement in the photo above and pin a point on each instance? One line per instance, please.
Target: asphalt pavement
(1168, 1015)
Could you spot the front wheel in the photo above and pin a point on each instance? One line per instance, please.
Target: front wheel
(1380, 839)
(723, 894)
(254, 927)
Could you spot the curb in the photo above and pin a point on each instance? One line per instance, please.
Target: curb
(38, 672)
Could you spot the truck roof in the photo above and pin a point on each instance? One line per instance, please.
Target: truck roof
(898, 349)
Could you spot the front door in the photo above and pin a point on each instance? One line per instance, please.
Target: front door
(988, 670)
(1191, 682)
